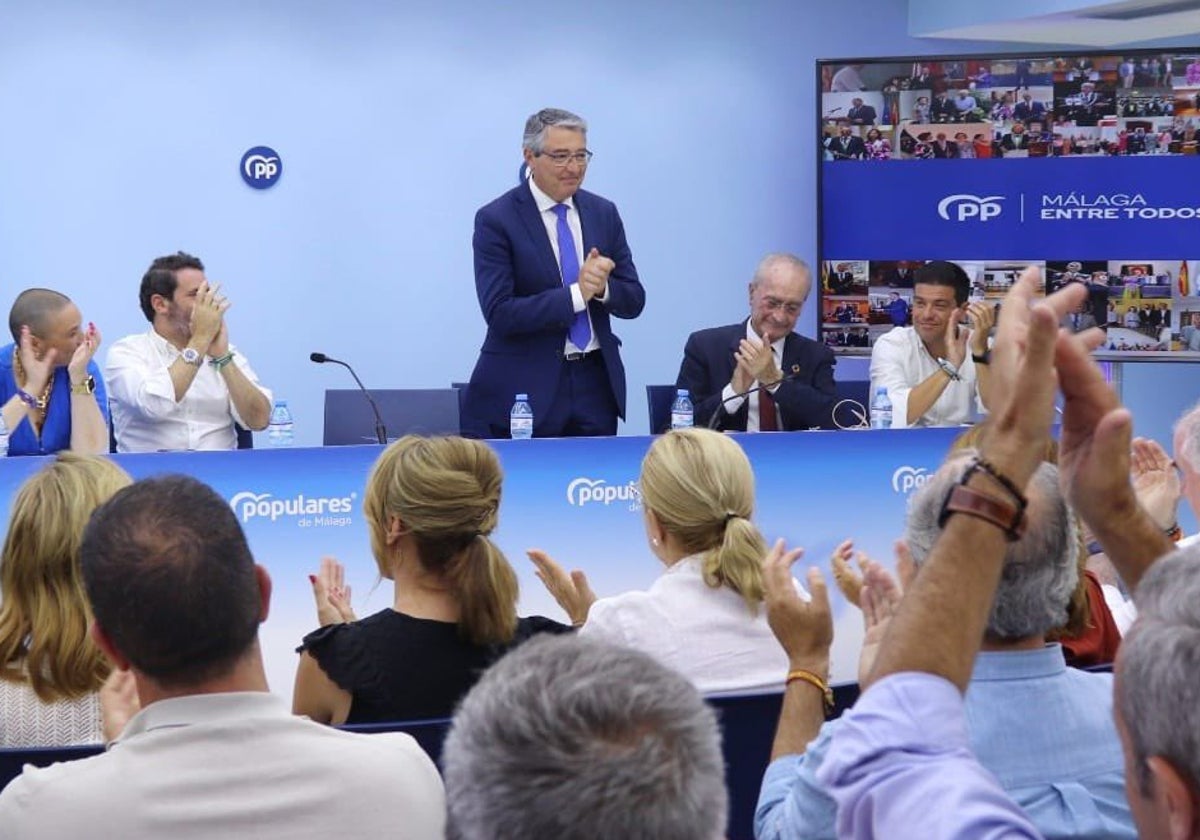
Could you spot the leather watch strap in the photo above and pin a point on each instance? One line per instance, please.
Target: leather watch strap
(1004, 515)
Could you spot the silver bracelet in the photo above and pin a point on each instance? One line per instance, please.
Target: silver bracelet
(949, 369)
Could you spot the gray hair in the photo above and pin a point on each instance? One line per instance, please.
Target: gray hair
(573, 738)
(1187, 428)
(1158, 669)
(536, 125)
(1040, 569)
(780, 258)
(34, 308)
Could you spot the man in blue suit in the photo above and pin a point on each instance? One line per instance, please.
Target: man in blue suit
(796, 373)
(551, 267)
(1028, 109)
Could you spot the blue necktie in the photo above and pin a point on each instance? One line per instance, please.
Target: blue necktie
(581, 329)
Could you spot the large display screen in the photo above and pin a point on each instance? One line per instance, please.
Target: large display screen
(1086, 165)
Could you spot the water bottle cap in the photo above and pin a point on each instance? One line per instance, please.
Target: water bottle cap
(281, 402)
(682, 392)
(522, 397)
(882, 389)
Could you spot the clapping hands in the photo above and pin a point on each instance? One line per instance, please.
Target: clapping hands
(572, 591)
(803, 628)
(331, 593)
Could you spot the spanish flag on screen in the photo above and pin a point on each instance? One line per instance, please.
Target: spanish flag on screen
(1185, 286)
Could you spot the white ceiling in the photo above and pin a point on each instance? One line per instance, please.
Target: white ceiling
(1096, 25)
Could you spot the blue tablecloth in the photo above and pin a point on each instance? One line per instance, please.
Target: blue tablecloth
(576, 498)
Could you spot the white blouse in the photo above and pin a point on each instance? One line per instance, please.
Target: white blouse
(708, 634)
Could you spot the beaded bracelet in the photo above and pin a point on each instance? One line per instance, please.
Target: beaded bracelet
(30, 400)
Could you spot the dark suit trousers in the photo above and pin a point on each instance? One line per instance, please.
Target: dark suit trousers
(583, 406)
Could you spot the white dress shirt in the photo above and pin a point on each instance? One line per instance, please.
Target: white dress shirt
(546, 205)
(732, 403)
(900, 362)
(146, 417)
(706, 633)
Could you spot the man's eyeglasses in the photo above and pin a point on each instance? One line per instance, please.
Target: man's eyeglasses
(561, 159)
(791, 308)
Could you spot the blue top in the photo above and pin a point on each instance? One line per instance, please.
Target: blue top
(56, 430)
(1191, 338)
(1042, 730)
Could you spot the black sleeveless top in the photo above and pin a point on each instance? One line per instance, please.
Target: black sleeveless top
(402, 668)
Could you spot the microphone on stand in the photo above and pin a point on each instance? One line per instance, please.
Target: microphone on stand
(720, 411)
(380, 430)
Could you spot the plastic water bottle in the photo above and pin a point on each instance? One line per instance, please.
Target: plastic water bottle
(520, 418)
(682, 412)
(3, 438)
(881, 409)
(279, 429)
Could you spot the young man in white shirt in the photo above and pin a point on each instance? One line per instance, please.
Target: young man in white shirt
(936, 371)
(182, 385)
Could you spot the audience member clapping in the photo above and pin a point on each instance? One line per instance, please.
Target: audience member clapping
(575, 738)
(430, 505)
(198, 746)
(904, 747)
(1091, 634)
(1158, 487)
(1063, 766)
(703, 615)
(51, 669)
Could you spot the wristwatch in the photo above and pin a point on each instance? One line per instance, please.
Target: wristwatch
(87, 387)
(982, 358)
(192, 356)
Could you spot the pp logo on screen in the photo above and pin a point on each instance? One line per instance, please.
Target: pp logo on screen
(964, 207)
(261, 167)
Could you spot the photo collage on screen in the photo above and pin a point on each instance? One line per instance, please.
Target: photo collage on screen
(1102, 104)
(1143, 305)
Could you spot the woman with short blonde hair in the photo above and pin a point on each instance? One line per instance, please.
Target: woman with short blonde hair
(50, 670)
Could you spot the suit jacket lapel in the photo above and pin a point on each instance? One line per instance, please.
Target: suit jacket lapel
(790, 361)
(587, 222)
(736, 334)
(528, 211)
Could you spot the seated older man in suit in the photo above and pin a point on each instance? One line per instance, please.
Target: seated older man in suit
(795, 373)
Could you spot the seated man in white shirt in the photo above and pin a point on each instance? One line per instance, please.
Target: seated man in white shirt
(182, 385)
(936, 371)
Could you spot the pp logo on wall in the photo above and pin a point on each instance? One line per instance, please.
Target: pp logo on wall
(261, 167)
